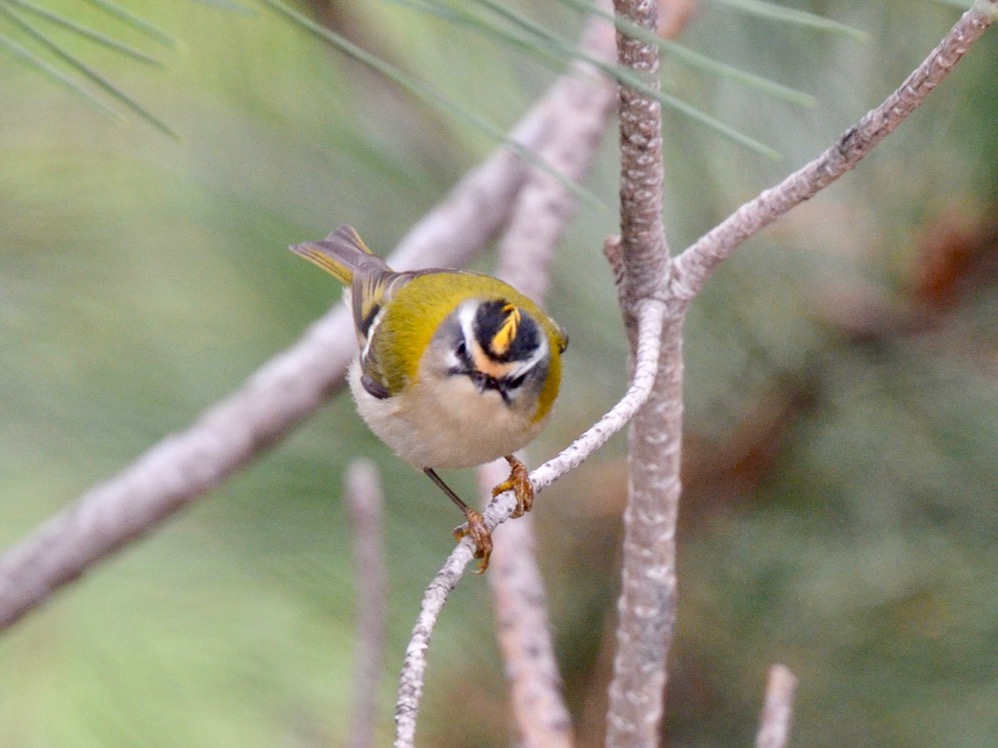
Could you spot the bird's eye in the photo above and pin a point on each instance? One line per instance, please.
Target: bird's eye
(516, 382)
(461, 350)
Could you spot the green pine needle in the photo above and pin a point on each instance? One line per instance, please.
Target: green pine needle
(763, 9)
(626, 77)
(697, 60)
(428, 95)
(86, 33)
(86, 71)
(136, 22)
(228, 5)
(57, 75)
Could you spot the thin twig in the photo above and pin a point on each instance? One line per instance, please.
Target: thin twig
(365, 500)
(692, 268)
(777, 709)
(647, 604)
(519, 601)
(650, 319)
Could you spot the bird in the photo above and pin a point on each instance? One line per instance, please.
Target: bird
(454, 368)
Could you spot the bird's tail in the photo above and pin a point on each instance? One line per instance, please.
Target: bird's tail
(339, 254)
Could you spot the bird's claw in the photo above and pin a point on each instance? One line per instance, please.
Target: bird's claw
(480, 536)
(519, 483)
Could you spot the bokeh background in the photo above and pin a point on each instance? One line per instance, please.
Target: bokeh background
(840, 512)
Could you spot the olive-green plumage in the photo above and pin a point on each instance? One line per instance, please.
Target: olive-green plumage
(425, 298)
(454, 368)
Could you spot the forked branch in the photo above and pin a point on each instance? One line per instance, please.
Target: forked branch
(654, 307)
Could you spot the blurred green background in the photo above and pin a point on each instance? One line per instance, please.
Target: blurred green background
(840, 512)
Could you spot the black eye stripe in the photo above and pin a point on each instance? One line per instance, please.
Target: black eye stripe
(462, 358)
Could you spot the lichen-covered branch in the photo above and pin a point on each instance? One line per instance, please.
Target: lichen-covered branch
(647, 604)
(642, 234)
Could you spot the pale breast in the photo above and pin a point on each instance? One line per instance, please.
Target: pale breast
(445, 423)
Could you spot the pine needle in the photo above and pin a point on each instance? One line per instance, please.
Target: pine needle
(86, 71)
(428, 95)
(86, 32)
(57, 75)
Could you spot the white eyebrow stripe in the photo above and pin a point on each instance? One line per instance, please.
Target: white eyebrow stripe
(466, 317)
(371, 330)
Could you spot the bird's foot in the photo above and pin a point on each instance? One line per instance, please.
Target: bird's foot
(480, 536)
(519, 483)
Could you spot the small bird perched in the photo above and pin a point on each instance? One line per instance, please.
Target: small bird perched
(455, 368)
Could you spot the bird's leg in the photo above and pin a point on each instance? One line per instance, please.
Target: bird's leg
(518, 482)
(475, 526)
